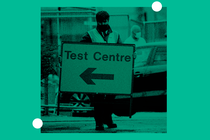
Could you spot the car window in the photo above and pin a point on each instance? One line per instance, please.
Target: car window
(142, 55)
(160, 56)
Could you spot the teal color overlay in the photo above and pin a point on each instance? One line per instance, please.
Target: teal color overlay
(188, 69)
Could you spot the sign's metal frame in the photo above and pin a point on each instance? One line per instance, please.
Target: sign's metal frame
(108, 44)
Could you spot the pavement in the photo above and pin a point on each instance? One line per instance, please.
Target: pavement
(141, 122)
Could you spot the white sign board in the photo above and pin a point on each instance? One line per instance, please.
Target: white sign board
(97, 68)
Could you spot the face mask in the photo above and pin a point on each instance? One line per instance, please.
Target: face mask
(103, 28)
(138, 35)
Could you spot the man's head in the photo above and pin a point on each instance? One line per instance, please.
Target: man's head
(135, 32)
(102, 18)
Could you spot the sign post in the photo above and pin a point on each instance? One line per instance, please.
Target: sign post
(96, 68)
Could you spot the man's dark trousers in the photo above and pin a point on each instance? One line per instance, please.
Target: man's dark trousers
(103, 109)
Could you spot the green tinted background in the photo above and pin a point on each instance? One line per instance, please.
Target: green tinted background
(188, 69)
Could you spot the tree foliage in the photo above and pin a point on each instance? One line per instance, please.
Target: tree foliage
(49, 54)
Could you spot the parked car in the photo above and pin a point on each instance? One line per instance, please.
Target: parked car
(151, 67)
(150, 81)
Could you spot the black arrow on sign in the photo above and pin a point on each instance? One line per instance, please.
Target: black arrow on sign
(88, 75)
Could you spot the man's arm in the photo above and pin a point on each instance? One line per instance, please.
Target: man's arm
(86, 38)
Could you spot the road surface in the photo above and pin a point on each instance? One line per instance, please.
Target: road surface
(141, 122)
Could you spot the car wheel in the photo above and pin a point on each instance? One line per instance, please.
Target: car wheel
(76, 98)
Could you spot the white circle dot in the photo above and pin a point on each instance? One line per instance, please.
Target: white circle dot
(156, 6)
(37, 123)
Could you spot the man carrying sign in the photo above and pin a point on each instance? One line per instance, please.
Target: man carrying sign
(102, 34)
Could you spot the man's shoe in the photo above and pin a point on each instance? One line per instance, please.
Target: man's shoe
(113, 125)
(99, 127)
